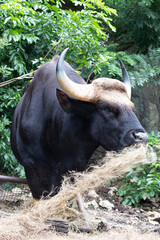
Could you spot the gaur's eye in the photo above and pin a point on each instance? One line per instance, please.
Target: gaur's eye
(110, 110)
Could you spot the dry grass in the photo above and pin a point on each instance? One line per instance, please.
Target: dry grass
(29, 224)
(127, 233)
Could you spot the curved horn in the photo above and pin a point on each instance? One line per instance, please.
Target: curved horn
(126, 80)
(84, 92)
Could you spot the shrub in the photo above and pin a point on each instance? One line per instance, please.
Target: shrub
(142, 182)
(141, 68)
(29, 29)
(8, 99)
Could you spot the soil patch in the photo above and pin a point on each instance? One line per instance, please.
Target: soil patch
(105, 212)
(113, 221)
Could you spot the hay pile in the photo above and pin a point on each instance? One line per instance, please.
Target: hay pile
(30, 223)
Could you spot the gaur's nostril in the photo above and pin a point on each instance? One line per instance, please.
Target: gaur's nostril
(140, 136)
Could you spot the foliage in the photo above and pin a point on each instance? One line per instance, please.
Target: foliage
(108, 63)
(8, 186)
(29, 29)
(8, 99)
(138, 27)
(141, 68)
(154, 140)
(146, 68)
(142, 182)
(136, 42)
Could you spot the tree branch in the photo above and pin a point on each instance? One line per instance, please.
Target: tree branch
(56, 45)
(25, 76)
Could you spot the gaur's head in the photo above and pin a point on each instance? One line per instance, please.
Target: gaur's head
(105, 105)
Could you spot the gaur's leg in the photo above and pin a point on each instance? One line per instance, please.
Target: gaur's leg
(42, 181)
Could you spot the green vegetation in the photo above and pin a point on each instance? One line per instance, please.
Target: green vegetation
(142, 182)
(9, 100)
(137, 24)
(142, 68)
(29, 29)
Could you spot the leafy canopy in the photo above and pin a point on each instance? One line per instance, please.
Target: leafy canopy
(29, 29)
(142, 68)
(138, 27)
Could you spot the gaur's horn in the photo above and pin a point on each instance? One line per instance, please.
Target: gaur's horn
(84, 92)
(126, 79)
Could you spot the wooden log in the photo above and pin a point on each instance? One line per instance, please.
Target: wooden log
(12, 179)
(85, 229)
(59, 225)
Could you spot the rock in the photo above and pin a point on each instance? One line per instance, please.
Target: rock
(17, 190)
(157, 230)
(154, 217)
(102, 226)
(153, 222)
(112, 191)
(94, 204)
(93, 194)
(147, 102)
(91, 203)
(106, 204)
(153, 115)
(153, 214)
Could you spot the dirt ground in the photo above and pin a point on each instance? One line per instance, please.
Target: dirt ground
(116, 234)
(107, 217)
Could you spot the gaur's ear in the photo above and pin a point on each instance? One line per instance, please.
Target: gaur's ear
(64, 101)
(71, 105)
